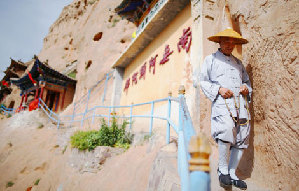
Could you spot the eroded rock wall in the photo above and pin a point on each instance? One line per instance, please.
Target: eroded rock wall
(271, 60)
(90, 32)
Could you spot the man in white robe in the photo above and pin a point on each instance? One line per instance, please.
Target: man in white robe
(225, 82)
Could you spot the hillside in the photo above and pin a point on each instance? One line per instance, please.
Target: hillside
(90, 34)
(32, 149)
(72, 38)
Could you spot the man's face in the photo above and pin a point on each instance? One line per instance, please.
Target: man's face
(227, 45)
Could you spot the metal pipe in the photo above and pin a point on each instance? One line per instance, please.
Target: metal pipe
(168, 124)
(131, 112)
(151, 122)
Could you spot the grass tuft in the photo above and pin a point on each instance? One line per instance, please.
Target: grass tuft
(9, 184)
(36, 182)
(40, 126)
(64, 149)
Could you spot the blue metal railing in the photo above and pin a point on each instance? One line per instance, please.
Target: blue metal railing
(83, 101)
(6, 110)
(52, 115)
(184, 129)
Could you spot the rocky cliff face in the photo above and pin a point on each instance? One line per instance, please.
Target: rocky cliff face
(271, 60)
(89, 32)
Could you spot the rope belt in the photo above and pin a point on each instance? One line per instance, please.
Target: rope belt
(237, 108)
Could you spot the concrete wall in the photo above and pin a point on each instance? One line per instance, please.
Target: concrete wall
(271, 60)
(167, 77)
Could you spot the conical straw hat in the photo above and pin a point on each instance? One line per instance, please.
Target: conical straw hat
(228, 33)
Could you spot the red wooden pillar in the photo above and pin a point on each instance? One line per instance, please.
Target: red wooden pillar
(26, 96)
(22, 100)
(36, 93)
(41, 93)
(63, 96)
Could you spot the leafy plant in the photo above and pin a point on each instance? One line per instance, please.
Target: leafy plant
(90, 2)
(114, 21)
(9, 115)
(9, 184)
(113, 136)
(40, 126)
(147, 137)
(64, 149)
(73, 74)
(84, 140)
(37, 181)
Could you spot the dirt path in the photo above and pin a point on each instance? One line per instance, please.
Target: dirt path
(29, 152)
(31, 149)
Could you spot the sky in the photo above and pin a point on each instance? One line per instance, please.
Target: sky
(23, 26)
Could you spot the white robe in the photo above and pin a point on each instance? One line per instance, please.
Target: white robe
(218, 71)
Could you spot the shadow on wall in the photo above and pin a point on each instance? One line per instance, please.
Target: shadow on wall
(246, 164)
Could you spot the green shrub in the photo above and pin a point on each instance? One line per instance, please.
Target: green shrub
(64, 149)
(9, 184)
(37, 181)
(147, 137)
(40, 126)
(113, 136)
(114, 21)
(73, 74)
(84, 140)
(90, 2)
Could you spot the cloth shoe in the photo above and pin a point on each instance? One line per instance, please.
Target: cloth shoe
(239, 184)
(224, 180)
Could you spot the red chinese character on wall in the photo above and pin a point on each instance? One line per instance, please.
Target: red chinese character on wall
(166, 55)
(134, 78)
(127, 84)
(152, 63)
(185, 41)
(142, 71)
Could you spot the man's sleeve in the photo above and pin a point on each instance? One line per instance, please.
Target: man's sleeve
(209, 88)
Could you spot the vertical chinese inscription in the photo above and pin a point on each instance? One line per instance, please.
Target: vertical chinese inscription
(152, 63)
(127, 84)
(185, 40)
(134, 78)
(167, 53)
(142, 71)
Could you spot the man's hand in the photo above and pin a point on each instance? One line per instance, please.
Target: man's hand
(225, 93)
(244, 90)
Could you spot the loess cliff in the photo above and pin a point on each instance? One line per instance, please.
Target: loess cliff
(90, 33)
